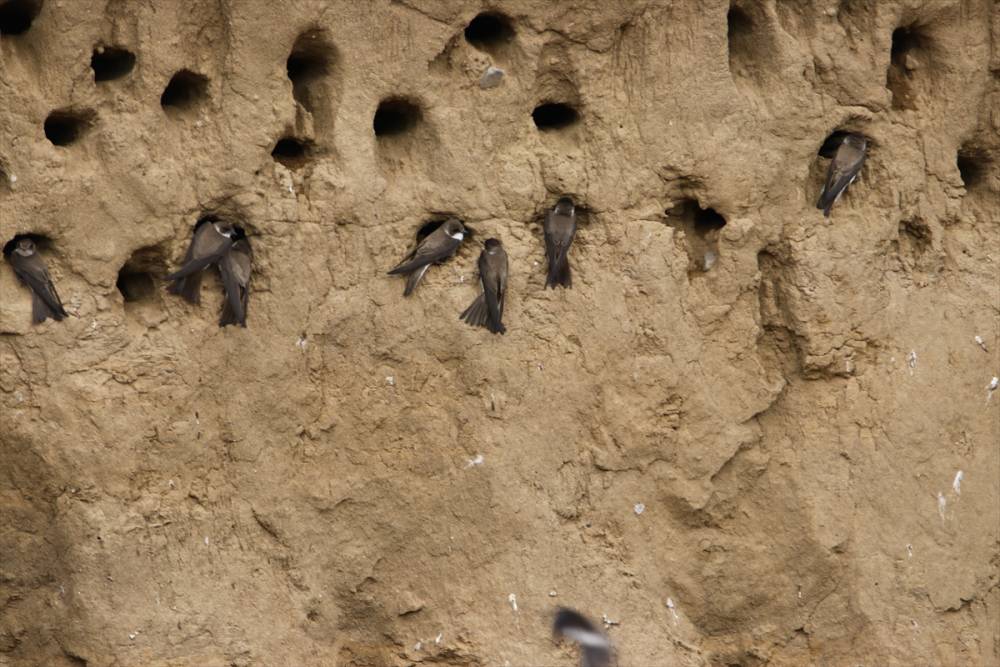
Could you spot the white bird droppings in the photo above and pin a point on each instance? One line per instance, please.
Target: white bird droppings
(942, 505)
(911, 360)
(673, 609)
(981, 343)
(476, 461)
(512, 599)
(390, 380)
(206, 540)
(639, 509)
(957, 484)
(491, 78)
(909, 551)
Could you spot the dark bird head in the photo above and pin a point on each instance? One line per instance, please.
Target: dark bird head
(594, 645)
(454, 228)
(492, 245)
(25, 247)
(565, 206)
(856, 141)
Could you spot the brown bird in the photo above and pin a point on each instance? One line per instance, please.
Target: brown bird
(844, 168)
(560, 227)
(595, 647)
(235, 267)
(487, 310)
(211, 241)
(437, 247)
(31, 270)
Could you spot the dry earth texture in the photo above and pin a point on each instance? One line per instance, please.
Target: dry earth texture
(754, 464)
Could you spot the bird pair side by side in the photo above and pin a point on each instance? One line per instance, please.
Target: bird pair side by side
(487, 310)
(227, 247)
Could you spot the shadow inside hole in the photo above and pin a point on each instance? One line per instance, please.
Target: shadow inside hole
(111, 62)
(906, 58)
(138, 276)
(701, 227)
(972, 168)
(431, 226)
(829, 147)
(489, 31)
(16, 16)
(554, 116)
(308, 65)
(184, 91)
(739, 32)
(65, 127)
(291, 152)
(395, 116)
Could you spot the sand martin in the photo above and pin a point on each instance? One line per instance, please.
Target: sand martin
(438, 246)
(211, 241)
(31, 270)
(844, 168)
(487, 309)
(560, 227)
(235, 267)
(595, 647)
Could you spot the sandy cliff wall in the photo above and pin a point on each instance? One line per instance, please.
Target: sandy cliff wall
(306, 491)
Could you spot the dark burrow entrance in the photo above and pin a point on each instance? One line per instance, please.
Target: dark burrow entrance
(42, 243)
(973, 167)
(309, 64)
(16, 16)
(291, 152)
(395, 116)
(137, 278)
(66, 126)
(489, 32)
(908, 56)
(700, 227)
(185, 91)
(554, 116)
(111, 62)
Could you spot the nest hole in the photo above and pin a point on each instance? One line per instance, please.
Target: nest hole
(111, 62)
(554, 116)
(64, 127)
(42, 242)
(291, 152)
(740, 35)
(489, 31)
(700, 227)
(309, 64)
(185, 91)
(137, 278)
(908, 55)
(395, 116)
(972, 167)
(16, 16)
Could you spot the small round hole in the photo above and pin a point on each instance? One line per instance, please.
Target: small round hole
(395, 116)
(185, 90)
(290, 152)
(489, 30)
(111, 62)
(16, 16)
(554, 116)
(65, 127)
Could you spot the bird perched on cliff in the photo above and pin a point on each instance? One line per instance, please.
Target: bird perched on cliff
(595, 647)
(211, 241)
(487, 310)
(30, 269)
(235, 267)
(560, 227)
(437, 247)
(844, 168)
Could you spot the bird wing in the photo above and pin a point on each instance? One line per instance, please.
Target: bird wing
(491, 276)
(202, 262)
(845, 166)
(433, 249)
(33, 272)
